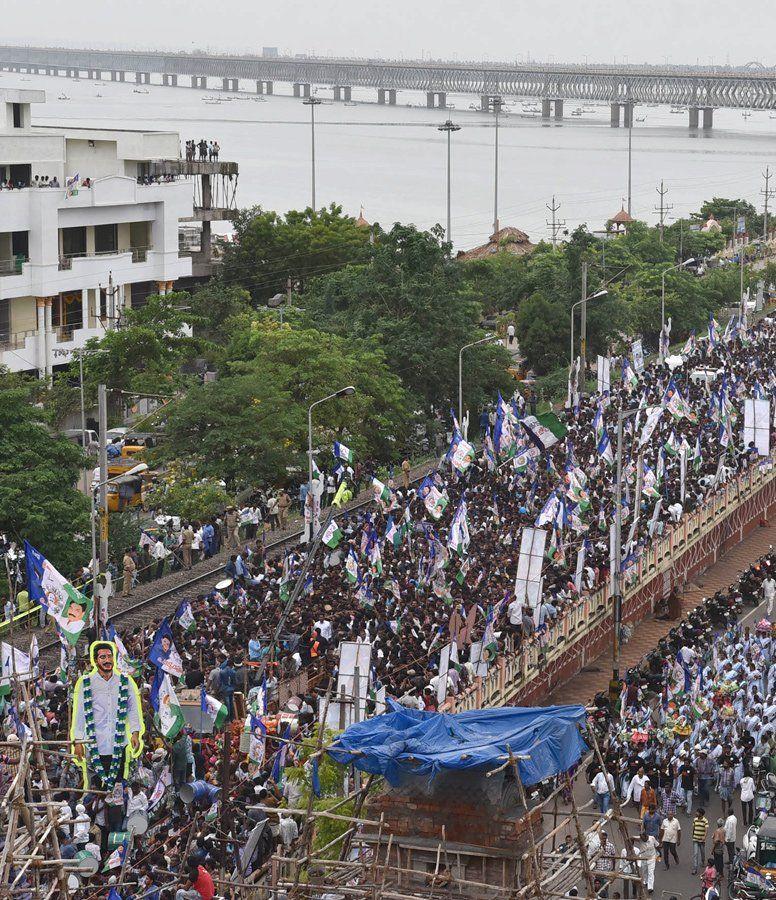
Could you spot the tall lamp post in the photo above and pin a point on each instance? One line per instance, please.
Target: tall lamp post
(602, 293)
(617, 554)
(448, 127)
(485, 340)
(312, 102)
(342, 392)
(680, 265)
(497, 102)
(96, 487)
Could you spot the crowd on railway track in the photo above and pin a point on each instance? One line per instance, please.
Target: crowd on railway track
(419, 567)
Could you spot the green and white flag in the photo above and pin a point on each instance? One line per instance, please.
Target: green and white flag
(69, 608)
(13, 663)
(393, 533)
(332, 536)
(671, 446)
(170, 715)
(459, 538)
(463, 571)
(216, 710)
(351, 566)
(342, 452)
(382, 491)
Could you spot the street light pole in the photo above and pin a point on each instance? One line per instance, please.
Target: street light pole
(485, 340)
(342, 392)
(497, 102)
(449, 127)
(617, 554)
(312, 102)
(583, 303)
(680, 265)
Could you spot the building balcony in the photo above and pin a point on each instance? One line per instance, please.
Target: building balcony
(136, 254)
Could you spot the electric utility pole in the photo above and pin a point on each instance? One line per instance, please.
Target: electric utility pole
(767, 194)
(555, 223)
(663, 208)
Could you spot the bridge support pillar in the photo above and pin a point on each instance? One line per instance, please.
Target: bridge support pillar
(392, 97)
(342, 93)
(170, 80)
(627, 115)
(301, 90)
(347, 94)
(230, 84)
(615, 115)
(694, 117)
(708, 118)
(430, 99)
(546, 108)
(382, 93)
(436, 99)
(199, 81)
(264, 87)
(558, 109)
(142, 78)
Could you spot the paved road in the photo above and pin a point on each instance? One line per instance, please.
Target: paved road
(678, 881)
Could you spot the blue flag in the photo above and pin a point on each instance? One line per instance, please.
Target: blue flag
(203, 698)
(316, 780)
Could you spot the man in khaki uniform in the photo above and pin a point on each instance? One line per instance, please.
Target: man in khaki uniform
(128, 564)
(187, 539)
(232, 523)
(284, 503)
(405, 474)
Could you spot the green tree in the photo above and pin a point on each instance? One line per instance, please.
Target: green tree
(413, 302)
(38, 471)
(271, 248)
(181, 492)
(251, 424)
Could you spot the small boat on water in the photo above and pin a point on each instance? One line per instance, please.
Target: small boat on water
(139, 91)
(63, 97)
(676, 110)
(576, 112)
(350, 103)
(641, 118)
(746, 114)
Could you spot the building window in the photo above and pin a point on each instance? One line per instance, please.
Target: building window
(106, 238)
(74, 241)
(17, 115)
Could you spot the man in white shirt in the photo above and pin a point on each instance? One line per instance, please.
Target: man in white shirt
(731, 826)
(671, 837)
(636, 787)
(602, 785)
(648, 855)
(325, 625)
(769, 592)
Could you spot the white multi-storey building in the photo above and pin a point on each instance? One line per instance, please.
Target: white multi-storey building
(71, 262)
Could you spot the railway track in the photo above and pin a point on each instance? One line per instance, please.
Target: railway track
(157, 605)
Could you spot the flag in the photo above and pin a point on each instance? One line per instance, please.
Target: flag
(629, 378)
(163, 653)
(689, 345)
(69, 608)
(548, 511)
(675, 403)
(184, 615)
(116, 859)
(257, 747)
(713, 331)
(393, 534)
(164, 781)
(461, 454)
(215, 709)
(435, 501)
(542, 431)
(605, 448)
(463, 571)
(665, 338)
(697, 459)
(13, 662)
(351, 566)
(280, 756)
(374, 555)
(124, 662)
(332, 536)
(671, 446)
(168, 709)
(315, 778)
(489, 643)
(71, 185)
(285, 579)
(653, 417)
(342, 452)
(382, 492)
(459, 537)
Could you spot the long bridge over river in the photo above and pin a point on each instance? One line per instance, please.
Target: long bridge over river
(700, 90)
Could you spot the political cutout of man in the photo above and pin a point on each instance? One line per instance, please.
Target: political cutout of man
(107, 725)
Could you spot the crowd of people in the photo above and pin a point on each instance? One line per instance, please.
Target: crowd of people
(203, 150)
(421, 566)
(695, 729)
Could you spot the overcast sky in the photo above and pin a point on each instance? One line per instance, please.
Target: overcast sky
(683, 31)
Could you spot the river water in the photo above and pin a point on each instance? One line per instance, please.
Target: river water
(391, 160)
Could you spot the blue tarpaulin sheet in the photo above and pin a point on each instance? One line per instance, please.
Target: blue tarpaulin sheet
(409, 742)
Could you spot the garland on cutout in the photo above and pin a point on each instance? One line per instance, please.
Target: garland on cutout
(119, 736)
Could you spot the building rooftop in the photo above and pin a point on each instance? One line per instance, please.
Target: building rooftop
(622, 217)
(505, 240)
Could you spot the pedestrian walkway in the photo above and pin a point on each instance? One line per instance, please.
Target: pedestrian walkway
(596, 676)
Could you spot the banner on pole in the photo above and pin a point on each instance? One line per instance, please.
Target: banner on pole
(528, 581)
